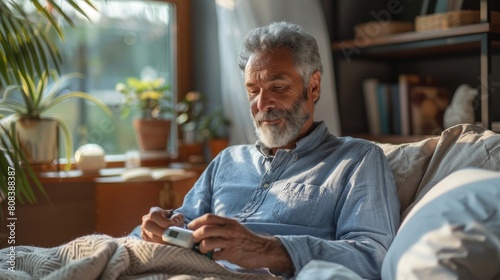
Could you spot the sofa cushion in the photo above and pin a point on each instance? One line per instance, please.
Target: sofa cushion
(409, 163)
(453, 232)
(417, 167)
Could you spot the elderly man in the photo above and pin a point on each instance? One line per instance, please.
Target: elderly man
(298, 194)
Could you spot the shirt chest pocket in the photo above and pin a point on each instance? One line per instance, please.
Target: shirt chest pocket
(301, 204)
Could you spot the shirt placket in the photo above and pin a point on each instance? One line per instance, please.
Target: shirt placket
(275, 168)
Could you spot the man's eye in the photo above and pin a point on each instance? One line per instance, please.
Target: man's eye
(253, 92)
(279, 88)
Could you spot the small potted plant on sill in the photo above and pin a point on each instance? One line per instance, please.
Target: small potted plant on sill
(152, 98)
(214, 128)
(189, 111)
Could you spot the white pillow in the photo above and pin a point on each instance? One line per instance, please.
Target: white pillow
(453, 232)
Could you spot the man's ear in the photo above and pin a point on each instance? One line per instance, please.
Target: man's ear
(315, 85)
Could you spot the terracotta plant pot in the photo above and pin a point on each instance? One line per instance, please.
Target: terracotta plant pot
(217, 145)
(152, 134)
(190, 152)
(38, 138)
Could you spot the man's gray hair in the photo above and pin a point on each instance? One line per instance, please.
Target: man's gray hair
(303, 46)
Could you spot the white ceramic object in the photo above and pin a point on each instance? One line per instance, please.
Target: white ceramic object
(461, 110)
(89, 158)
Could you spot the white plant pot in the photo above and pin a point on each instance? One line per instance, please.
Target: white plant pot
(38, 138)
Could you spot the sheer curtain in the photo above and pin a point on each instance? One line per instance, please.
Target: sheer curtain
(236, 18)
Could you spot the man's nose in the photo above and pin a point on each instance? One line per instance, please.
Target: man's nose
(265, 102)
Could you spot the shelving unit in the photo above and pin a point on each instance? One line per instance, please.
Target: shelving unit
(482, 38)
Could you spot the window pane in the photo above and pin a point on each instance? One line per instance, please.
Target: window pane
(124, 39)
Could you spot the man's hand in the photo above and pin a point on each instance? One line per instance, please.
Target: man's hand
(231, 241)
(158, 219)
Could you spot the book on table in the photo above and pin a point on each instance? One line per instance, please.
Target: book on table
(151, 174)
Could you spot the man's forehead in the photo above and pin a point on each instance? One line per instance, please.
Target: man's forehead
(266, 76)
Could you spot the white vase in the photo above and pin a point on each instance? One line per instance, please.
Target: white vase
(38, 138)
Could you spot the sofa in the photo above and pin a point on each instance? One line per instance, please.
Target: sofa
(449, 189)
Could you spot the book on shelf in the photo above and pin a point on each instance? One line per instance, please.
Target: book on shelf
(371, 105)
(387, 108)
(150, 174)
(406, 81)
(380, 107)
(441, 6)
(396, 109)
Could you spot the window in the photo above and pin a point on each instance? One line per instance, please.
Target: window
(124, 39)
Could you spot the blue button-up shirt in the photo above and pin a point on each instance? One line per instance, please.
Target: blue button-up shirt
(330, 198)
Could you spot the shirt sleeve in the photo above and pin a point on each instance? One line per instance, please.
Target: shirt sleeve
(366, 221)
(198, 200)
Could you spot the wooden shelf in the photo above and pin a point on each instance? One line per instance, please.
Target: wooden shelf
(411, 44)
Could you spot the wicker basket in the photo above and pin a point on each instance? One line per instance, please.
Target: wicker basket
(445, 20)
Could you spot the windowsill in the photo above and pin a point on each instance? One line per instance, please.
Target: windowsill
(105, 175)
(115, 165)
(147, 159)
(76, 176)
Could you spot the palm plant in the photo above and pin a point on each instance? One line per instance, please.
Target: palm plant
(27, 52)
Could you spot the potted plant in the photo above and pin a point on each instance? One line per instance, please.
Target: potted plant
(214, 128)
(35, 130)
(190, 110)
(27, 51)
(152, 98)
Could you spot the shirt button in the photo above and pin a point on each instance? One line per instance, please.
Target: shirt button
(265, 186)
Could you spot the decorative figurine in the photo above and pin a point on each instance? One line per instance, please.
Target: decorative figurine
(461, 109)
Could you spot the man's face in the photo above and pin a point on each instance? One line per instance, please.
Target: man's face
(281, 106)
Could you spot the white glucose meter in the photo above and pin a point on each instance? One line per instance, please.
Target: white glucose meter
(179, 236)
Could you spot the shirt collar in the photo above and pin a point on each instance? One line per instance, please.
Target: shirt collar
(304, 145)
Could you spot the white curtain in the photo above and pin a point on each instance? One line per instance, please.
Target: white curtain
(235, 19)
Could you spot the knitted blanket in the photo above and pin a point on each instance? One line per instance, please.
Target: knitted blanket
(105, 257)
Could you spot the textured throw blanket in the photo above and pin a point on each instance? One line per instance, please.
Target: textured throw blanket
(105, 257)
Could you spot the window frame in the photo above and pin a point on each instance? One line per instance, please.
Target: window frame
(183, 77)
(183, 45)
(183, 72)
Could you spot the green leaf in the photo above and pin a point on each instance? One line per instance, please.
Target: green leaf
(55, 88)
(49, 17)
(82, 95)
(14, 106)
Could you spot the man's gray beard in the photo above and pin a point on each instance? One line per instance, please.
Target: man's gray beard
(274, 136)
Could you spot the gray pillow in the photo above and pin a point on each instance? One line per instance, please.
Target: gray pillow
(453, 232)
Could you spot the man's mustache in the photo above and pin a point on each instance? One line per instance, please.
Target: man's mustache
(269, 115)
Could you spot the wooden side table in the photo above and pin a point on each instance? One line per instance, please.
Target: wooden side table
(120, 205)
